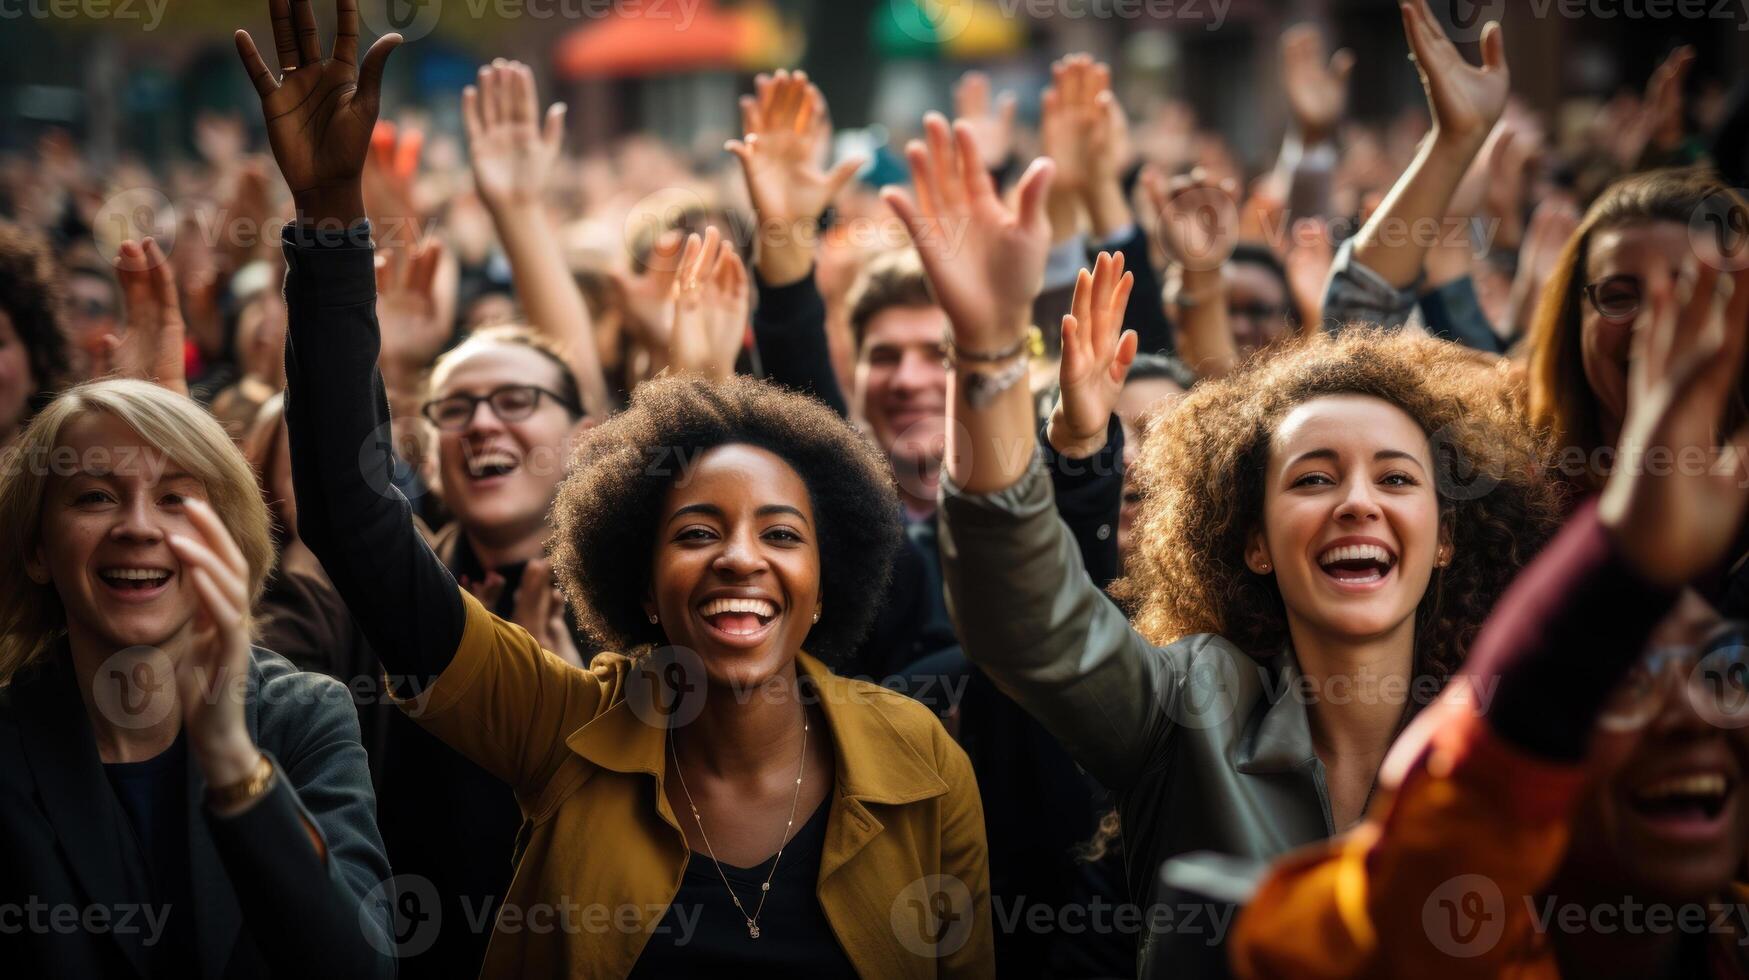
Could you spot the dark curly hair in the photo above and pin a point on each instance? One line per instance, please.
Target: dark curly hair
(607, 511)
(30, 294)
(1202, 468)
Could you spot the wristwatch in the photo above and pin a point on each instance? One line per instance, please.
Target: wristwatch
(245, 790)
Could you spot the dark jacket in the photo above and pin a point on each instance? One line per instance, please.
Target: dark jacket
(265, 903)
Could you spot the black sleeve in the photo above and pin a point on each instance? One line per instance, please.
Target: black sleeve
(789, 328)
(1089, 494)
(1562, 637)
(1146, 314)
(350, 513)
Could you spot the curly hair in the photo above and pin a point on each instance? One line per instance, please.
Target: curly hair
(608, 509)
(1202, 469)
(30, 293)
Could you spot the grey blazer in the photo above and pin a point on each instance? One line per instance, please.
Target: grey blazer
(1197, 740)
(264, 903)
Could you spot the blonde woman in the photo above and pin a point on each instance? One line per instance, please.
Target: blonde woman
(201, 806)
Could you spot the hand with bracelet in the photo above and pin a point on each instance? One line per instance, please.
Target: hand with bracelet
(986, 263)
(211, 677)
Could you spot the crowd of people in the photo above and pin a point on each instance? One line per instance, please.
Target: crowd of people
(1038, 520)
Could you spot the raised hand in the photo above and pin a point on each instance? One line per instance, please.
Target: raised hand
(320, 112)
(985, 261)
(1199, 218)
(1678, 522)
(212, 675)
(1069, 113)
(992, 125)
(1317, 88)
(151, 350)
(1097, 354)
(710, 308)
(649, 294)
(511, 145)
(413, 330)
(1465, 101)
(781, 151)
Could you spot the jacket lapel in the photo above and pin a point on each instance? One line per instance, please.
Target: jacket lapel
(1281, 740)
(95, 839)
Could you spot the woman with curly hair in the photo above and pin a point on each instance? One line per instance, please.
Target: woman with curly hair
(713, 798)
(1319, 536)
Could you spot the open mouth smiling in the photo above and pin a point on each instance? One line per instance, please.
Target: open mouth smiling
(737, 620)
(1357, 564)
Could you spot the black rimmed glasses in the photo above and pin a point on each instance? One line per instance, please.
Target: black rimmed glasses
(511, 403)
(1615, 298)
(1713, 674)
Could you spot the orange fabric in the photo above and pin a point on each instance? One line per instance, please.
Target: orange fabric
(1434, 884)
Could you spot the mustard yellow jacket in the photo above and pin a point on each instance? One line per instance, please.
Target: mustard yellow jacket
(903, 879)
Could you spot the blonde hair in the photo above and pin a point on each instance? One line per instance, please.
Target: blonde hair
(32, 618)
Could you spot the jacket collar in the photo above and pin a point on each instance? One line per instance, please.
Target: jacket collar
(876, 762)
(1280, 740)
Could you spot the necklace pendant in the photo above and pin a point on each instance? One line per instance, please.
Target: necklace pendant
(753, 929)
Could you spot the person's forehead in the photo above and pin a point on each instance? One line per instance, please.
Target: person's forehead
(1637, 245)
(740, 475)
(1356, 425)
(906, 326)
(487, 365)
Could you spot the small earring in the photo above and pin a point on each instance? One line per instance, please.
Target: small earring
(652, 619)
(816, 615)
(1264, 568)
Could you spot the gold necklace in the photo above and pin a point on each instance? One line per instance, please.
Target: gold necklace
(765, 887)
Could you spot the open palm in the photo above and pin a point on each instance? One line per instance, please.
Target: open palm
(1464, 99)
(985, 261)
(1097, 352)
(511, 147)
(781, 149)
(320, 111)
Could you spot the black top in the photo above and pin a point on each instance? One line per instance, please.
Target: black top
(703, 934)
(153, 794)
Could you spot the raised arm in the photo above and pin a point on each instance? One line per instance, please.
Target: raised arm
(513, 150)
(1199, 227)
(151, 350)
(1317, 95)
(786, 136)
(1465, 102)
(320, 116)
(1022, 604)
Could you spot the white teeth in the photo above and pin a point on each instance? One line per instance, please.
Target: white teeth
(1696, 784)
(137, 574)
(758, 607)
(1355, 552)
(490, 459)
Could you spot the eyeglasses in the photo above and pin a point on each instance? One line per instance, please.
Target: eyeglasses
(1615, 298)
(1713, 673)
(511, 403)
